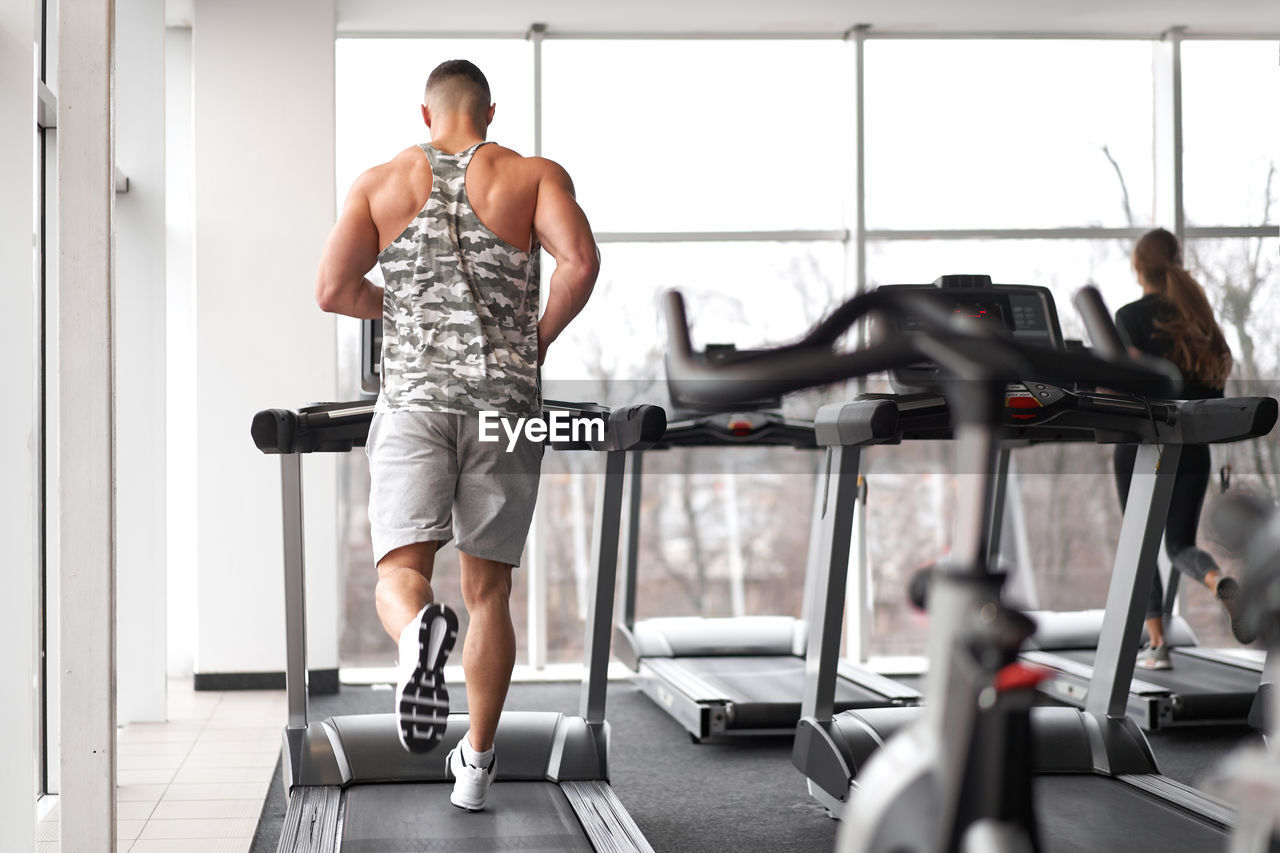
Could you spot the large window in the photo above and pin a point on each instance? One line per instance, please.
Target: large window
(727, 168)
(688, 187)
(379, 95)
(995, 139)
(1230, 162)
(745, 293)
(1007, 134)
(1229, 129)
(700, 135)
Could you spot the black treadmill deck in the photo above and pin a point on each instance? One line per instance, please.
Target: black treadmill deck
(1204, 691)
(412, 818)
(765, 691)
(1079, 812)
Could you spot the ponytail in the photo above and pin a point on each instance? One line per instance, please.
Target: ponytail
(1199, 349)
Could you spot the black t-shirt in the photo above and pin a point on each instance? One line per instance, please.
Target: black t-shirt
(1138, 321)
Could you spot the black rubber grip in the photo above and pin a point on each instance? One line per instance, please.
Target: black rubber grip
(635, 428)
(274, 430)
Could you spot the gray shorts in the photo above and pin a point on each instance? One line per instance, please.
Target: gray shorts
(432, 479)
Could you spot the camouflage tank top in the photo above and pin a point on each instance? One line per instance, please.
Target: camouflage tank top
(460, 310)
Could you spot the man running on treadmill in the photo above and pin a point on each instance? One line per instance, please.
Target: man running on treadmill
(456, 225)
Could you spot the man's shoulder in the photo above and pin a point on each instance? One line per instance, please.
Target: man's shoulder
(387, 180)
(406, 162)
(527, 163)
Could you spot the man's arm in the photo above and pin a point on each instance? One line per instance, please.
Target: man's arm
(350, 252)
(564, 232)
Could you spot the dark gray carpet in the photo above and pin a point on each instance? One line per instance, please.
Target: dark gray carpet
(1191, 754)
(698, 798)
(685, 797)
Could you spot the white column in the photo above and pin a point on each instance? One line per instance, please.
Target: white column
(180, 357)
(263, 133)
(737, 571)
(140, 362)
(19, 428)
(855, 215)
(1168, 132)
(85, 448)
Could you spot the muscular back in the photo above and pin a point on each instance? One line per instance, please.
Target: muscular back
(519, 199)
(501, 185)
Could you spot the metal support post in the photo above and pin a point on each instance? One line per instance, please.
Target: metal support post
(602, 584)
(826, 604)
(632, 488)
(295, 591)
(1144, 520)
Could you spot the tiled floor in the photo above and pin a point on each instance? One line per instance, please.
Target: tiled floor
(195, 784)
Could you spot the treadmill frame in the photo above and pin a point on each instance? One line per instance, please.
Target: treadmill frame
(829, 748)
(322, 759)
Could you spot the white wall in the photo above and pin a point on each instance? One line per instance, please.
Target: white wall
(264, 166)
(18, 428)
(140, 362)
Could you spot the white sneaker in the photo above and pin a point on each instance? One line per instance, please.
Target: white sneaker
(470, 783)
(422, 701)
(1156, 657)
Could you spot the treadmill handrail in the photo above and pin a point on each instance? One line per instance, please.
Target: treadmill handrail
(1103, 419)
(339, 427)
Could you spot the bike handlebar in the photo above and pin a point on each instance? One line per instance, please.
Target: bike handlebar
(965, 349)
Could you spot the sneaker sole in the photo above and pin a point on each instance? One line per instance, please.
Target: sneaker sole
(423, 704)
(1228, 594)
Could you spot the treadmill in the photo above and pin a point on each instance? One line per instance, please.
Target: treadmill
(734, 676)
(1097, 780)
(1205, 686)
(350, 784)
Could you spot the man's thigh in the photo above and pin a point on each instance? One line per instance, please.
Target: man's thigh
(497, 490)
(413, 473)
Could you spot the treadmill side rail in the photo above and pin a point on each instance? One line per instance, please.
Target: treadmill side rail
(604, 819)
(311, 822)
(1171, 791)
(689, 699)
(894, 692)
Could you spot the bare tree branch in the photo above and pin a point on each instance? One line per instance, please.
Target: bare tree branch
(1124, 187)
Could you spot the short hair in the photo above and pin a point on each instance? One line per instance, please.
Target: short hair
(458, 85)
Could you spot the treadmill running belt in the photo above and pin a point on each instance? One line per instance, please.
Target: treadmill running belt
(767, 691)
(408, 818)
(1207, 690)
(1084, 812)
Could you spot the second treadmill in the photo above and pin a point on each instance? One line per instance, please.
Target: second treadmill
(730, 676)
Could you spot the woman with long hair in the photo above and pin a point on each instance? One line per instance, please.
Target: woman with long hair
(1173, 320)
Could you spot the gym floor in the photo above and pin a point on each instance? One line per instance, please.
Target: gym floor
(195, 784)
(207, 781)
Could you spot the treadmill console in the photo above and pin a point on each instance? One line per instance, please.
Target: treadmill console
(1023, 312)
